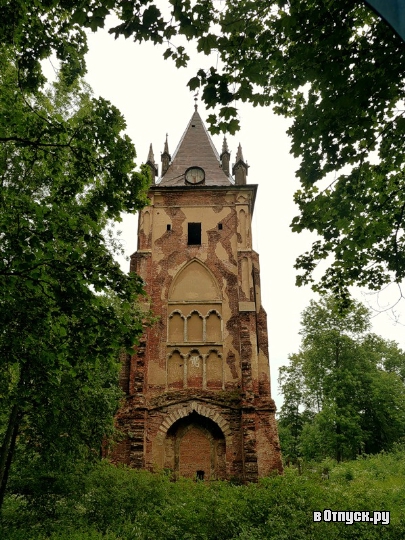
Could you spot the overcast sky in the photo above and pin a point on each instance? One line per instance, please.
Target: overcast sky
(152, 95)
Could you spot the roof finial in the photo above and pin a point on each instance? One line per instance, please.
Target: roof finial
(165, 157)
(196, 99)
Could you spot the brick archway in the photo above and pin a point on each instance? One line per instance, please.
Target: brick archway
(186, 409)
(195, 447)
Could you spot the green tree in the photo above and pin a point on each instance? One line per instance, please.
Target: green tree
(66, 308)
(342, 391)
(295, 411)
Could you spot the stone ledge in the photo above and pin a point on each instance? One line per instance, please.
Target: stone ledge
(247, 306)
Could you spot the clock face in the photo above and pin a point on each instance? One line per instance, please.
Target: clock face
(195, 175)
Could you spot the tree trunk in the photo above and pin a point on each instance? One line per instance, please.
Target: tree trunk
(338, 406)
(339, 453)
(7, 449)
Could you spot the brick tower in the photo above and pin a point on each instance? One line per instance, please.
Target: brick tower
(197, 388)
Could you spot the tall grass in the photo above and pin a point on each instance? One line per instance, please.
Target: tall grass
(119, 503)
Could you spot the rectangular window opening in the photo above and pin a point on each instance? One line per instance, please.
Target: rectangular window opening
(220, 226)
(194, 234)
(168, 227)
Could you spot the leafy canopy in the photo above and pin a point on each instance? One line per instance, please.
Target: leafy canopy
(344, 391)
(335, 68)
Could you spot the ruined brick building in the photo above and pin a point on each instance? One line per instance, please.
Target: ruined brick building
(198, 390)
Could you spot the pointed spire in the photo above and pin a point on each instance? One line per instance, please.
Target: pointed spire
(152, 165)
(195, 149)
(225, 157)
(166, 148)
(151, 157)
(240, 169)
(166, 157)
(239, 154)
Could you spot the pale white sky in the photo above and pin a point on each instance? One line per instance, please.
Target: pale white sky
(152, 95)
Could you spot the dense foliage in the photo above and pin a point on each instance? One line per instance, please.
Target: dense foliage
(66, 308)
(113, 503)
(344, 391)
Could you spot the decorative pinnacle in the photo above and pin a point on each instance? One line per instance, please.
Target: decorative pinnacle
(151, 157)
(225, 146)
(166, 147)
(196, 99)
(239, 155)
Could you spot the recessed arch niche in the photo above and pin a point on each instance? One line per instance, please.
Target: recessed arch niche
(146, 222)
(243, 231)
(194, 282)
(175, 370)
(195, 326)
(176, 327)
(213, 327)
(194, 321)
(214, 370)
(245, 277)
(195, 369)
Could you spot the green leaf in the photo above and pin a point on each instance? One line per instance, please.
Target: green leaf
(79, 17)
(207, 43)
(96, 22)
(151, 15)
(194, 83)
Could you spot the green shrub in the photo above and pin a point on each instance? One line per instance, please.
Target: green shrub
(117, 503)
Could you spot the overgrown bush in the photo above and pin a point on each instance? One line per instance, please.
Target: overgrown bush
(117, 503)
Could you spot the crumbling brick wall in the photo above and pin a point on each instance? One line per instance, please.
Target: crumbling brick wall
(198, 384)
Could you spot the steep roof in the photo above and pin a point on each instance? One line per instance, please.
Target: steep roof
(195, 149)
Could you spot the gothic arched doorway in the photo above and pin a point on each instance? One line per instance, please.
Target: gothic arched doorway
(195, 448)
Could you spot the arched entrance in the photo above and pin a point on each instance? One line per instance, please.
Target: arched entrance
(195, 448)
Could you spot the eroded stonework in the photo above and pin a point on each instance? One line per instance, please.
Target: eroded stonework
(198, 387)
